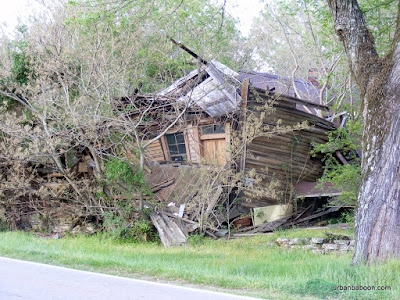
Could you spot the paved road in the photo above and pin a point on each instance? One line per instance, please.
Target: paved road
(28, 280)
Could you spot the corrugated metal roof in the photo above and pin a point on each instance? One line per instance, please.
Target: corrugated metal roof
(216, 95)
(282, 85)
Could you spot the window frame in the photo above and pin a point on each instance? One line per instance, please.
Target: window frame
(180, 146)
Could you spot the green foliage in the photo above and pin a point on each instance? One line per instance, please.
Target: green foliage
(4, 226)
(196, 239)
(317, 287)
(155, 61)
(126, 175)
(127, 224)
(19, 62)
(21, 69)
(379, 15)
(140, 231)
(346, 178)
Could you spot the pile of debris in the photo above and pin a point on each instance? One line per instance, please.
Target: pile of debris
(189, 201)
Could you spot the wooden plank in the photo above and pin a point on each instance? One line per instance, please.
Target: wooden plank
(214, 136)
(169, 232)
(187, 146)
(162, 185)
(228, 142)
(191, 143)
(83, 167)
(244, 93)
(330, 210)
(197, 143)
(213, 202)
(214, 151)
(165, 148)
(244, 90)
(341, 157)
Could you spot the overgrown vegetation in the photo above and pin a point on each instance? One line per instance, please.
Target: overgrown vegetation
(344, 177)
(66, 147)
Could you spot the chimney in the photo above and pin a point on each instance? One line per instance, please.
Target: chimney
(313, 75)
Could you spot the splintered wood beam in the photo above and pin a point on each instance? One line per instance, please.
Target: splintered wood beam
(169, 232)
(182, 46)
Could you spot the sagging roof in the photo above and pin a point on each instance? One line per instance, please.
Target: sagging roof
(212, 87)
(305, 90)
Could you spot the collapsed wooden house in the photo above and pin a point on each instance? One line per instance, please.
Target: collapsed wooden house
(218, 101)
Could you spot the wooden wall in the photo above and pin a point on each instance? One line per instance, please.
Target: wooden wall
(287, 156)
(211, 148)
(154, 152)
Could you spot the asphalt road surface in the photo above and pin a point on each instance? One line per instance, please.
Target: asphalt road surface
(28, 280)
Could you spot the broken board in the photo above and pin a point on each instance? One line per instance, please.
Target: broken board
(169, 232)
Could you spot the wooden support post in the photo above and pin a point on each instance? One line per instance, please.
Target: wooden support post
(244, 94)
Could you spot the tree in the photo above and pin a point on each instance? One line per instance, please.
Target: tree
(377, 77)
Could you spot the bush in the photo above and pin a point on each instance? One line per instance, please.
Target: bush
(4, 226)
(346, 178)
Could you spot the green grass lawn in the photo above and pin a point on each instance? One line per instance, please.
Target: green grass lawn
(247, 265)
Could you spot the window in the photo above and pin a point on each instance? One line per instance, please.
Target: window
(176, 146)
(213, 129)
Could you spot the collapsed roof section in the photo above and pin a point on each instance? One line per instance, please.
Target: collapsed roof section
(211, 87)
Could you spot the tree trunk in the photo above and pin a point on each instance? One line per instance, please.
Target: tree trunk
(378, 214)
(378, 81)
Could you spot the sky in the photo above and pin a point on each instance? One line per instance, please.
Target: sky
(244, 10)
(10, 10)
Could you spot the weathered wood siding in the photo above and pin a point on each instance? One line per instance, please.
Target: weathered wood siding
(287, 156)
(154, 152)
(192, 141)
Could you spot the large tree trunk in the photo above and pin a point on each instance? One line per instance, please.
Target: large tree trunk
(378, 81)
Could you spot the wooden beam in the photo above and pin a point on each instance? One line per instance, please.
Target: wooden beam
(165, 148)
(341, 157)
(244, 92)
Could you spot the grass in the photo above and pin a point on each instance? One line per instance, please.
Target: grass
(246, 265)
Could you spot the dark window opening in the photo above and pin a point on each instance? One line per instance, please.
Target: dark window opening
(176, 146)
(213, 129)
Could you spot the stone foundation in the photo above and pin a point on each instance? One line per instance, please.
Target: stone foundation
(316, 245)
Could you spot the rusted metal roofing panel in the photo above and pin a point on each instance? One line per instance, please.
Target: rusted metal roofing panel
(282, 85)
